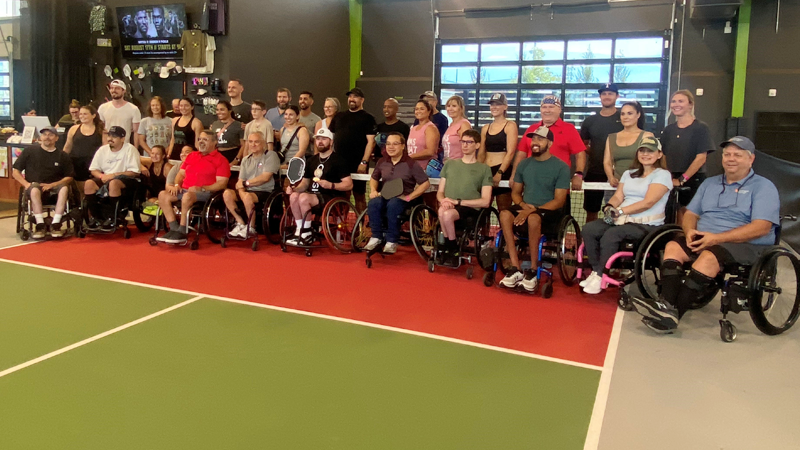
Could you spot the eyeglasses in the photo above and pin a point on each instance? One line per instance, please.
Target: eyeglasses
(463, 142)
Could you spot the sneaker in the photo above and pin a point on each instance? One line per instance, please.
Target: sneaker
(40, 231)
(306, 237)
(658, 311)
(390, 248)
(594, 285)
(107, 225)
(93, 225)
(512, 279)
(589, 278)
(56, 231)
(238, 230)
(294, 240)
(656, 326)
(151, 210)
(530, 282)
(373, 242)
(173, 237)
(251, 231)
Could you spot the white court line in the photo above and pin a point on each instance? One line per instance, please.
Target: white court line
(97, 337)
(321, 316)
(601, 399)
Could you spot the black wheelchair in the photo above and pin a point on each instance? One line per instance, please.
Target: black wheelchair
(473, 235)
(556, 250)
(130, 202)
(205, 218)
(332, 223)
(267, 214)
(416, 228)
(26, 221)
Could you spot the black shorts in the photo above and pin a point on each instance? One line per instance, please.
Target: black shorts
(551, 221)
(467, 213)
(49, 197)
(693, 184)
(729, 253)
(593, 199)
(129, 183)
(505, 176)
(261, 195)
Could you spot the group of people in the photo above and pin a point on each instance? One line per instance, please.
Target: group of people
(731, 217)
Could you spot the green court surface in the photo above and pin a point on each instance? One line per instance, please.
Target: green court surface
(221, 375)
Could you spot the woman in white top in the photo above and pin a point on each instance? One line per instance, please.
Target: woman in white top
(451, 141)
(636, 208)
(330, 109)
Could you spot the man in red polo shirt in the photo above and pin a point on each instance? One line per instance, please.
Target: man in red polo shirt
(203, 173)
(567, 141)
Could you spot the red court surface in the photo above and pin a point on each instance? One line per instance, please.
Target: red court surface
(397, 291)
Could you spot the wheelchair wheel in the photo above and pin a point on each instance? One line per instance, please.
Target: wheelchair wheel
(775, 302)
(338, 222)
(423, 222)
(648, 259)
(214, 218)
(271, 219)
(569, 240)
(486, 227)
(361, 234)
(20, 211)
(144, 222)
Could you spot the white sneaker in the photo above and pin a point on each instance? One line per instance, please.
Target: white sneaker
(238, 230)
(251, 231)
(530, 282)
(390, 248)
(593, 285)
(512, 280)
(588, 279)
(373, 242)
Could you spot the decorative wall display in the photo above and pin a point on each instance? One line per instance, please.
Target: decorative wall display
(151, 31)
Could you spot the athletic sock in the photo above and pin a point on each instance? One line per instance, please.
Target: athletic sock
(183, 229)
(39, 218)
(174, 226)
(92, 206)
(56, 218)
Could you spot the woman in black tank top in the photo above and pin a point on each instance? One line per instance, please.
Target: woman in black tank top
(498, 150)
(157, 172)
(83, 140)
(183, 135)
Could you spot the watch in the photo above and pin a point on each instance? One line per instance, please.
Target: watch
(364, 162)
(246, 183)
(459, 202)
(578, 173)
(500, 171)
(619, 211)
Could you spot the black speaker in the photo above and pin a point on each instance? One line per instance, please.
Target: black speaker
(713, 9)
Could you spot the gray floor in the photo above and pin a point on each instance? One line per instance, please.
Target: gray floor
(690, 390)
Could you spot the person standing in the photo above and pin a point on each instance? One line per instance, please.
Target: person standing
(594, 132)
(330, 109)
(175, 111)
(185, 129)
(83, 140)
(155, 129)
(437, 117)
(307, 118)
(497, 151)
(294, 137)
(423, 138)
(241, 109)
(229, 132)
(354, 139)
(275, 115)
(120, 113)
(621, 148)
(451, 141)
(390, 124)
(68, 120)
(259, 124)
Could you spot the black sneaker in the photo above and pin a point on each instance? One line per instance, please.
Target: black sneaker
(56, 231)
(40, 231)
(173, 237)
(656, 326)
(107, 225)
(92, 225)
(658, 311)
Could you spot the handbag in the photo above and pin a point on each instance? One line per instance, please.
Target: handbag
(282, 151)
(434, 168)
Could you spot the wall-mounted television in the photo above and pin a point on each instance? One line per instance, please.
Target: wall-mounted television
(151, 32)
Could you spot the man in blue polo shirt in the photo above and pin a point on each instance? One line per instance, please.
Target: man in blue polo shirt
(731, 219)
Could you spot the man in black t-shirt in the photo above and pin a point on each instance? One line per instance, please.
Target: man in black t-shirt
(241, 109)
(594, 132)
(355, 138)
(390, 125)
(326, 178)
(48, 173)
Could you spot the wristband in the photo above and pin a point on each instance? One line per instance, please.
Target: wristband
(459, 202)
(578, 173)
(684, 177)
(500, 171)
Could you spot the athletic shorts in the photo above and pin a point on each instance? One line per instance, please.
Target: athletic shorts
(551, 220)
(49, 197)
(505, 176)
(593, 199)
(201, 196)
(729, 253)
(261, 195)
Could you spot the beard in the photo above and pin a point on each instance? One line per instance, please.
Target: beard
(323, 148)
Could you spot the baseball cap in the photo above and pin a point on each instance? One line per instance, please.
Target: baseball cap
(551, 100)
(741, 142)
(608, 87)
(355, 91)
(50, 129)
(117, 132)
(542, 131)
(651, 143)
(324, 132)
(498, 97)
(119, 84)
(428, 94)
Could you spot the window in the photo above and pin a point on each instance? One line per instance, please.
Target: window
(5, 89)
(9, 8)
(526, 70)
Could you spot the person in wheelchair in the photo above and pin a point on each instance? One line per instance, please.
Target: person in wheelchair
(115, 169)
(203, 173)
(731, 220)
(636, 208)
(465, 186)
(539, 192)
(395, 165)
(326, 177)
(48, 175)
(256, 181)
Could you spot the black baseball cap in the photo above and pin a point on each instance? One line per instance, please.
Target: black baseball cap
(49, 129)
(116, 132)
(741, 142)
(542, 131)
(355, 91)
(608, 87)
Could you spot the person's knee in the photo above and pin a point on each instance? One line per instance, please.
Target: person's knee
(707, 264)
(229, 195)
(673, 250)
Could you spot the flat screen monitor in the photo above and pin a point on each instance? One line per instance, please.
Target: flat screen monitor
(151, 32)
(36, 121)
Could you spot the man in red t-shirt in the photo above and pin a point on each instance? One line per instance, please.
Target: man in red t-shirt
(567, 141)
(203, 173)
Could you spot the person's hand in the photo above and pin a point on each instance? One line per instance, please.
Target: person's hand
(496, 179)
(145, 172)
(289, 190)
(374, 194)
(240, 184)
(362, 168)
(676, 182)
(325, 184)
(172, 189)
(447, 204)
(284, 166)
(522, 216)
(613, 181)
(577, 183)
(46, 186)
(106, 177)
(194, 189)
(703, 241)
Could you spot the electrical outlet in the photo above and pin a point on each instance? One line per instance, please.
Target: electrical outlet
(773, 93)
(699, 92)
(727, 29)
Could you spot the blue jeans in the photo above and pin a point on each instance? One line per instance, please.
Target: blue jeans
(378, 208)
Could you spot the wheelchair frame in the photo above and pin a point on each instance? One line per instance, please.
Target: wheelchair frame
(478, 239)
(25, 214)
(203, 220)
(336, 233)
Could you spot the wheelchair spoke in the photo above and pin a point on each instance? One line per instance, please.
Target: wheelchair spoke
(775, 306)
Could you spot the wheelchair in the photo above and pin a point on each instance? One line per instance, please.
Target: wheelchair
(205, 218)
(267, 213)
(556, 250)
(129, 202)
(414, 213)
(26, 222)
(474, 236)
(332, 223)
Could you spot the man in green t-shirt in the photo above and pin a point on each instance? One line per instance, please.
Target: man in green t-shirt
(541, 185)
(465, 186)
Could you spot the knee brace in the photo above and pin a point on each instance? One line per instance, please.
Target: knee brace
(671, 280)
(696, 287)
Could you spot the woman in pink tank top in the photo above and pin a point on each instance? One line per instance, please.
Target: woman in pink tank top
(423, 139)
(451, 141)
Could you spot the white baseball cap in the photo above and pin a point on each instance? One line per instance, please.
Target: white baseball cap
(119, 84)
(324, 132)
